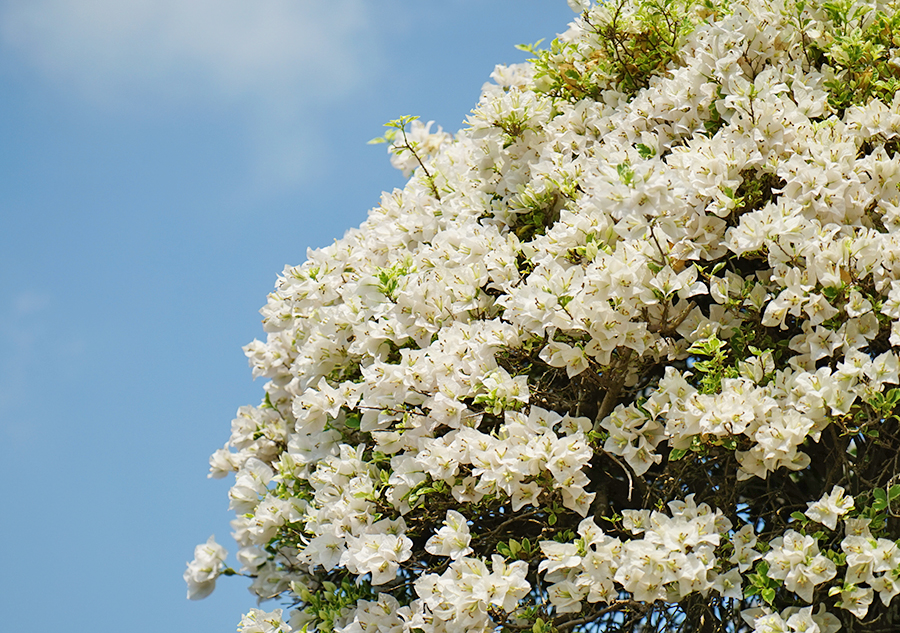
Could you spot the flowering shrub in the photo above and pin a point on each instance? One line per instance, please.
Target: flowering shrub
(621, 356)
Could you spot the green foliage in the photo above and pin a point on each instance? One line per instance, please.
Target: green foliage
(645, 151)
(862, 48)
(395, 127)
(757, 188)
(520, 550)
(714, 369)
(389, 279)
(635, 41)
(536, 209)
(759, 583)
(331, 601)
(884, 498)
(626, 174)
(885, 403)
(417, 494)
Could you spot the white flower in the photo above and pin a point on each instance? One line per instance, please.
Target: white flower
(795, 559)
(830, 507)
(579, 6)
(201, 573)
(451, 540)
(729, 584)
(856, 600)
(559, 354)
(325, 550)
(378, 554)
(258, 621)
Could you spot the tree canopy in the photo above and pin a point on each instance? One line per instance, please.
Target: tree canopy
(622, 355)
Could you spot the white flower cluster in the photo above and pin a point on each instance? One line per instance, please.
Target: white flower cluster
(674, 557)
(585, 250)
(201, 573)
(873, 565)
(777, 418)
(451, 540)
(384, 615)
(513, 459)
(795, 559)
(792, 620)
(257, 621)
(461, 598)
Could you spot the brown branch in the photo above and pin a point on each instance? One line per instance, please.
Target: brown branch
(619, 374)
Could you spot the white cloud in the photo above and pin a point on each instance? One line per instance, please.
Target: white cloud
(277, 61)
(23, 330)
(25, 304)
(269, 48)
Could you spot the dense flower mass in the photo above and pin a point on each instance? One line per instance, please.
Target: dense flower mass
(623, 355)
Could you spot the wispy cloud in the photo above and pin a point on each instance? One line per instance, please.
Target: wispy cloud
(275, 60)
(22, 325)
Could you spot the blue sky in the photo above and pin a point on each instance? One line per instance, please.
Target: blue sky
(161, 161)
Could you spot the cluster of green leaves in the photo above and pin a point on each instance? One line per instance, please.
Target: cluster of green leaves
(394, 127)
(885, 403)
(535, 213)
(635, 41)
(496, 403)
(535, 210)
(757, 188)
(593, 245)
(884, 499)
(867, 416)
(417, 495)
(389, 278)
(514, 126)
(333, 601)
(863, 50)
(519, 550)
(700, 446)
(759, 583)
(713, 370)
(880, 503)
(626, 174)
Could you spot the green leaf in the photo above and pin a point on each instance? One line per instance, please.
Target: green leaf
(352, 421)
(529, 48)
(677, 453)
(768, 594)
(894, 492)
(798, 516)
(893, 398)
(552, 519)
(645, 151)
(626, 173)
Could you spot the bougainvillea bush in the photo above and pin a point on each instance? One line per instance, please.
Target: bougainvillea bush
(621, 356)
